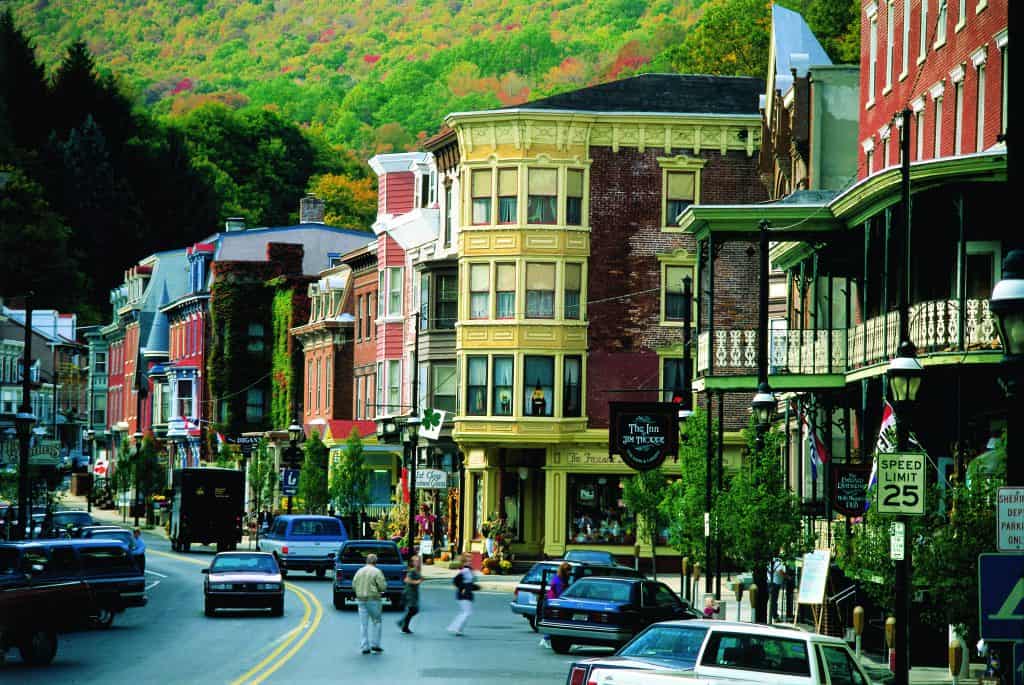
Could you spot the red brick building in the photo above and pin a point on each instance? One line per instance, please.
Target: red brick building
(944, 59)
(362, 264)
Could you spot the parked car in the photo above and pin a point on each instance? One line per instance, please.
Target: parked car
(352, 557)
(104, 565)
(71, 522)
(304, 543)
(122, 535)
(524, 601)
(725, 650)
(243, 580)
(591, 556)
(608, 611)
(36, 604)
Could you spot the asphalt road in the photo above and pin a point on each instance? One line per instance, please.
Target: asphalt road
(171, 641)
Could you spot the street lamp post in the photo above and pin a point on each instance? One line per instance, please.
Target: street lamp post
(137, 435)
(1007, 303)
(23, 422)
(904, 375)
(90, 436)
(294, 435)
(411, 439)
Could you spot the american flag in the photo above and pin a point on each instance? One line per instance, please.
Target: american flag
(816, 449)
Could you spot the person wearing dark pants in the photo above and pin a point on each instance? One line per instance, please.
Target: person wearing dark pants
(139, 550)
(411, 594)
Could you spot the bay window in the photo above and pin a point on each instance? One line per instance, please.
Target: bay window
(446, 300)
(538, 385)
(572, 369)
(184, 392)
(542, 201)
(476, 386)
(481, 194)
(540, 291)
(394, 385)
(596, 511)
(505, 291)
(571, 297)
(379, 408)
(508, 195)
(574, 197)
(501, 402)
(443, 386)
(424, 301)
(479, 291)
(395, 291)
(448, 214)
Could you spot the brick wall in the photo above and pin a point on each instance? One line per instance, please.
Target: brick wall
(979, 30)
(626, 237)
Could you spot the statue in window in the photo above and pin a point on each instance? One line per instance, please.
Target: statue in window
(538, 405)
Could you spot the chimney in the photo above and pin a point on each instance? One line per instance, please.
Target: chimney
(234, 223)
(311, 210)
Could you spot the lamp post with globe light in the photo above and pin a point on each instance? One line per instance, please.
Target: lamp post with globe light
(1007, 304)
(90, 436)
(23, 422)
(411, 436)
(293, 453)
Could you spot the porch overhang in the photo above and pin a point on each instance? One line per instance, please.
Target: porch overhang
(810, 219)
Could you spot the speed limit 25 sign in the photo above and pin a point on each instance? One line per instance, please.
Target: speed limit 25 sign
(901, 483)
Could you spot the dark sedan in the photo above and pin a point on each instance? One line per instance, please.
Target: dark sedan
(608, 611)
(524, 601)
(243, 580)
(71, 522)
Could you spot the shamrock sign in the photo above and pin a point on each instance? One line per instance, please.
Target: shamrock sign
(430, 426)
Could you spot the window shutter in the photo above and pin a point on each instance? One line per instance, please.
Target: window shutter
(572, 276)
(543, 181)
(508, 182)
(540, 276)
(479, 277)
(482, 183)
(506, 277)
(680, 185)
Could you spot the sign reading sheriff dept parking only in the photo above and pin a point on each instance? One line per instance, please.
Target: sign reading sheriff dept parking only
(901, 483)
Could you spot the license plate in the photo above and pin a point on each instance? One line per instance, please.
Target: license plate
(579, 617)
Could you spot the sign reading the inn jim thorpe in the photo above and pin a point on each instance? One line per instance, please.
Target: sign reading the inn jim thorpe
(643, 433)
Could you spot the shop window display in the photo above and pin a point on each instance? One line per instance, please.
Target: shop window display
(597, 514)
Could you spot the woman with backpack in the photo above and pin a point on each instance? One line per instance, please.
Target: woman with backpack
(465, 585)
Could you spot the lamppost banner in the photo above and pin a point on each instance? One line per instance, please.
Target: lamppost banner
(643, 433)
(850, 488)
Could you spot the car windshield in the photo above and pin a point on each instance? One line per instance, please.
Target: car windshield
(319, 527)
(533, 576)
(356, 554)
(244, 563)
(8, 562)
(587, 556)
(667, 642)
(603, 590)
(74, 517)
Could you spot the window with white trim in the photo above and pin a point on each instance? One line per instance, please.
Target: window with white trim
(937, 138)
(890, 41)
(574, 197)
(395, 291)
(379, 408)
(958, 118)
(381, 291)
(961, 14)
(680, 193)
(905, 47)
(540, 290)
(573, 278)
(479, 291)
(1005, 61)
(508, 196)
(919, 132)
(979, 120)
(922, 47)
(940, 23)
(505, 291)
(480, 189)
(542, 197)
(872, 59)
(394, 385)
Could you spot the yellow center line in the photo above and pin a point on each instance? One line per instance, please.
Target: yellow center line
(305, 628)
(298, 645)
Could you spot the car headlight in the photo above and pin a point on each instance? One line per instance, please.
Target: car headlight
(268, 586)
(220, 586)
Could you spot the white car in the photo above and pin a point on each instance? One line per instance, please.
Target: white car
(724, 651)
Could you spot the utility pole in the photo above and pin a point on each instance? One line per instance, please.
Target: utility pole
(24, 426)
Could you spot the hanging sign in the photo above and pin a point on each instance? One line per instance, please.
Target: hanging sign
(643, 433)
(431, 479)
(850, 488)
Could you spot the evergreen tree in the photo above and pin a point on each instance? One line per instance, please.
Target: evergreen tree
(350, 481)
(24, 99)
(79, 92)
(644, 493)
(313, 477)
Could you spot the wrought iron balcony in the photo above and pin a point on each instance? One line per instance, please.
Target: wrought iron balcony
(789, 352)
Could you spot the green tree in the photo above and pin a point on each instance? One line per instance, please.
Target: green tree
(757, 515)
(644, 494)
(350, 481)
(836, 24)
(684, 504)
(262, 477)
(730, 39)
(24, 98)
(226, 457)
(149, 472)
(313, 477)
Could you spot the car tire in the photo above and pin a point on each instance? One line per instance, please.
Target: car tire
(559, 645)
(209, 608)
(39, 647)
(277, 608)
(104, 618)
(321, 572)
(339, 602)
(184, 546)
(533, 623)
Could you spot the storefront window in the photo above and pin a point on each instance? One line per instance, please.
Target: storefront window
(597, 514)
(503, 367)
(538, 386)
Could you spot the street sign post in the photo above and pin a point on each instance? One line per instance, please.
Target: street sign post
(901, 483)
(1010, 519)
(1001, 596)
(897, 541)
(292, 457)
(289, 482)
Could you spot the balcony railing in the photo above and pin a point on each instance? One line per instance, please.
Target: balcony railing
(935, 327)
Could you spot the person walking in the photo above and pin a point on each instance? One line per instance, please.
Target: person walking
(369, 584)
(138, 550)
(777, 580)
(465, 585)
(555, 590)
(411, 593)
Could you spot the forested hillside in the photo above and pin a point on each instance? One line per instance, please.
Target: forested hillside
(374, 74)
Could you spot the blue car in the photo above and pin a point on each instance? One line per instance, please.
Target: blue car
(304, 543)
(609, 611)
(352, 557)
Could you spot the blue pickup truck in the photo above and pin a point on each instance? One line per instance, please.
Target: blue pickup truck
(304, 543)
(352, 557)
